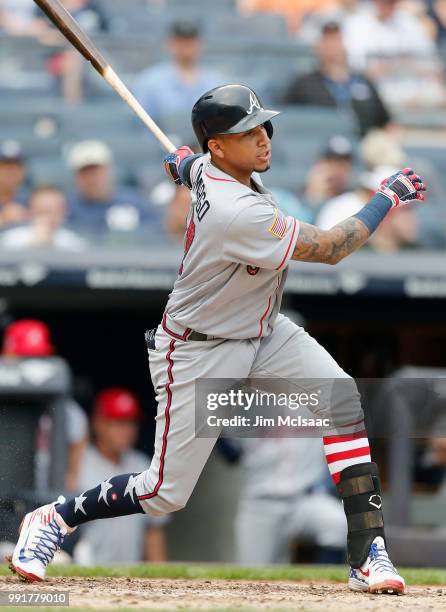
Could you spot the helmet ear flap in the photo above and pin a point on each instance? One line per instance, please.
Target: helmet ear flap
(269, 129)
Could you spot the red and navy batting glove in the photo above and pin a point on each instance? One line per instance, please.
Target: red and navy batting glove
(172, 163)
(403, 187)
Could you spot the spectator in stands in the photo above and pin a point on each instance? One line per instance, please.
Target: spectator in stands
(384, 28)
(17, 17)
(436, 11)
(12, 177)
(88, 13)
(66, 66)
(97, 205)
(177, 211)
(329, 176)
(334, 84)
(284, 496)
(383, 148)
(349, 203)
(435, 454)
(311, 27)
(399, 230)
(30, 338)
(176, 84)
(392, 46)
(116, 418)
(293, 10)
(47, 214)
(23, 18)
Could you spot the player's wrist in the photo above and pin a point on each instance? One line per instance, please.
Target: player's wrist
(375, 210)
(390, 195)
(173, 161)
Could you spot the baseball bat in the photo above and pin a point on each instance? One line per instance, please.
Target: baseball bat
(68, 26)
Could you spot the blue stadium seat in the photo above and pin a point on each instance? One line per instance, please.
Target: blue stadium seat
(49, 171)
(422, 118)
(35, 147)
(115, 8)
(260, 27)
(319, 122)
(204, 6)
(110, 114)
(296, 149)
(179, 126)
(285, 178)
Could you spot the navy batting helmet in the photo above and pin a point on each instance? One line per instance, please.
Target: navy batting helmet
(229, 109)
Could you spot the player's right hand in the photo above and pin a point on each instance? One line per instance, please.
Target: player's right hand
(173, 160)
(403, 187)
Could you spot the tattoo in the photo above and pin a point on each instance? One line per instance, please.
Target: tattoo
(330, 246)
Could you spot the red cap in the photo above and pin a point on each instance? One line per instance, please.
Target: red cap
(27, 338)
(117, 404)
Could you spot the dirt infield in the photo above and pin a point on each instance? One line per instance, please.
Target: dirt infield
(179, 594)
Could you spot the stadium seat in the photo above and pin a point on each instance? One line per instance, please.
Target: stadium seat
(295, 149)
(290, 178)
(35, 147)
(118, 8)
(204, 6)
(319, 122)
(49, 171)
(422, 118)
(255, 27)
(96, 117)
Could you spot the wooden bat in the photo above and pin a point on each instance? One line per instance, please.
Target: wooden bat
(68, 26)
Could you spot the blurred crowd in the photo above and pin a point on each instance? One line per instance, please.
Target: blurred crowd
(377, 60)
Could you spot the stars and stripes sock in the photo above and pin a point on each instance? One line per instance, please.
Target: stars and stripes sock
(115, 496)
(344, 451)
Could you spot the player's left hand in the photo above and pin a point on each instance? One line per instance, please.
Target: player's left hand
(403, 187)
(173, 160)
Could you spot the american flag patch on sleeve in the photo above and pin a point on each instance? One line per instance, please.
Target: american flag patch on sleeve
(279, 225)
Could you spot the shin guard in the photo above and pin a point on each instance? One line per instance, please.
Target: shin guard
(360, 490)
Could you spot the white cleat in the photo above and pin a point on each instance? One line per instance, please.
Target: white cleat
(41, 535)
(377, 574)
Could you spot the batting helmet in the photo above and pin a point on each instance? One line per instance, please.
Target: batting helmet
(117, 404)
(27, 338)
(229, 109)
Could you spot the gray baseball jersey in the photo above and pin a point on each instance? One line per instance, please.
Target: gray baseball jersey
(237, 248)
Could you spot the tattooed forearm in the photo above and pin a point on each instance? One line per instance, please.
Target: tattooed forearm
(330, 246)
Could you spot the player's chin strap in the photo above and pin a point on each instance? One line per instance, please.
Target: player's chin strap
(360, 490)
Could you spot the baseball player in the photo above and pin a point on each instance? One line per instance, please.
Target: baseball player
(222, 321)
(284, 497)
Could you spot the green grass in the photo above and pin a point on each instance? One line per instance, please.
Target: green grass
(297, 573)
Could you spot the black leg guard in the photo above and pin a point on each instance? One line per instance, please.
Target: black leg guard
(360, 490)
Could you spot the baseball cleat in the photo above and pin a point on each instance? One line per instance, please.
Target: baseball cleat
(41, 535)
(377, 575)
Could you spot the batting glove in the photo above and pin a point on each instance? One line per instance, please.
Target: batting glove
(172, 163)
(403, 187)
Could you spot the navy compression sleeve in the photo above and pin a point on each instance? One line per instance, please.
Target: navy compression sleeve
(374, 211)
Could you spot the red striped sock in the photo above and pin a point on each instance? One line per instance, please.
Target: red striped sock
(344, 451)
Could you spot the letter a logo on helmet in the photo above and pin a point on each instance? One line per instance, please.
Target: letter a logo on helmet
(229, 109)
(253, 103)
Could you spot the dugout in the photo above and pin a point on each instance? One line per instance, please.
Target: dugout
(30, 388)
